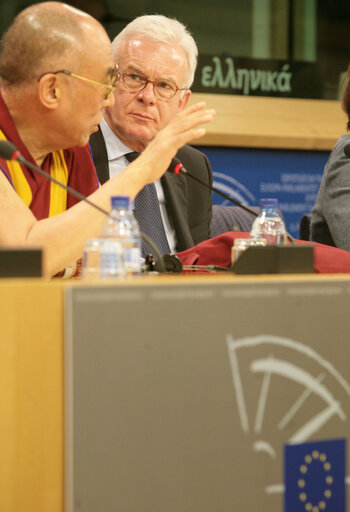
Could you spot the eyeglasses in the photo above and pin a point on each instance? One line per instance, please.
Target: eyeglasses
(163, 89)
(110, 87)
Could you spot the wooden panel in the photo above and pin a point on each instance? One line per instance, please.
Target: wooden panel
(272, 122)
(31, 384)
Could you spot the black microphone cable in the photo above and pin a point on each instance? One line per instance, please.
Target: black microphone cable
(8, 151)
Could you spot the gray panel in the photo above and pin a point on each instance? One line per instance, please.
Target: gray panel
(179, 398)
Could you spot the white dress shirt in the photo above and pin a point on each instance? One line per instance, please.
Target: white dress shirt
(116, 151)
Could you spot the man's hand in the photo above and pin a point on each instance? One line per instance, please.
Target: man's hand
(156, 158)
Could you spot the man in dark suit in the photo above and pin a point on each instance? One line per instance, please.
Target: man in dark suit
(156, 58)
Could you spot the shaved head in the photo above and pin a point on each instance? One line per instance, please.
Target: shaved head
(44, 37)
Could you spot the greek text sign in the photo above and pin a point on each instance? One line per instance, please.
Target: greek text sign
(257, 77)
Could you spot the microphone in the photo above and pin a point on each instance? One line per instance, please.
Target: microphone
(347, 150)
(8, 151)
(180, 169)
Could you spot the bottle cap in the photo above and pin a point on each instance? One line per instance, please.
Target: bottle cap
(268, 203)
(120, 202)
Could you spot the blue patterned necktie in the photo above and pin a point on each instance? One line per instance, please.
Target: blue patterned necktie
(147, 213)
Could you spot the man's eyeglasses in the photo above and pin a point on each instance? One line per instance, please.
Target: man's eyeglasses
(110, 87)
(163, 89)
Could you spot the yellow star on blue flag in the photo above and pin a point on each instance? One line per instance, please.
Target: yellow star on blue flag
(314, 476)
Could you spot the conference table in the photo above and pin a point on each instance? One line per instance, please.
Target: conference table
(176, 392)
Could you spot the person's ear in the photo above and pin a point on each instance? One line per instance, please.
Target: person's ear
(184, 98)
(49, 90)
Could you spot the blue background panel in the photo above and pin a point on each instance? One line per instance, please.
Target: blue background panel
(247, 175)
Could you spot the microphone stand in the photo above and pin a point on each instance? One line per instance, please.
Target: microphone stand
(160, 266)
(179, 168)
(160, 263)
(217, 191)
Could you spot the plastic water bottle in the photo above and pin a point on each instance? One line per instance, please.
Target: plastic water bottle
(121, 242)
(269, 224)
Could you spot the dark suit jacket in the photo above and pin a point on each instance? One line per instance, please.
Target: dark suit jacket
(330, 220)
(188, 203)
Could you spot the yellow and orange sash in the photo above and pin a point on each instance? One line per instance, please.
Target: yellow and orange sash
(58, 170)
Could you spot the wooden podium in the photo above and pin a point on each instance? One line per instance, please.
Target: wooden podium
(180, 382)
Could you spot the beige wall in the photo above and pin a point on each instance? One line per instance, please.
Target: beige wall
(272, 122)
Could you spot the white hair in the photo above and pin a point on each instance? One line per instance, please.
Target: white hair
(164, 30)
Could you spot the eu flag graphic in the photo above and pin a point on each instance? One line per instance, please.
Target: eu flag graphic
(314, 476)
